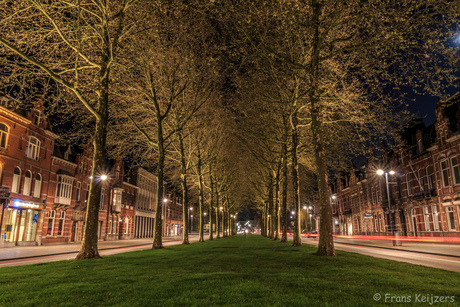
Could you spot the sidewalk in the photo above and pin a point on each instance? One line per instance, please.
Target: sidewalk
(447, 249)
(16, 252)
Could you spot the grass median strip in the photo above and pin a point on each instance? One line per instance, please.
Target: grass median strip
(232, 271)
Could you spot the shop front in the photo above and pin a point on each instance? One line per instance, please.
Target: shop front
(21, 223)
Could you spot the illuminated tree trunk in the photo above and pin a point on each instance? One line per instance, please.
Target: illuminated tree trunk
(297, 240)
(201, 198)
(285, 183)
(158, 226)
(326, 243)
(276, 211)
(184, 190)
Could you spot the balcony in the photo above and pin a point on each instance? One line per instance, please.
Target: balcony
(62, 200)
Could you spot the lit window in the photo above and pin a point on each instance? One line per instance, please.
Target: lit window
(422, 180)
(451, 218)
(455, 170)
(434, 212)
(408, 184)
(78, 196)
(429, 177)
(38, 117)
(3, 135)
(126, 225)
(64, 190)
(16, 180)
(426, 218)
(27, 183)
(51, 223)
(445, 173)
(33, 148)
(61, 223)
(38, 186)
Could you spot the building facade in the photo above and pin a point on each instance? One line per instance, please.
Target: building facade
(45, 187)
(421, 198)
(26, 144)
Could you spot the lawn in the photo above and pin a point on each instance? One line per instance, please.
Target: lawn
(234, 271)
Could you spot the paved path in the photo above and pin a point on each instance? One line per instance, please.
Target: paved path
(13, 256)
(436, 255)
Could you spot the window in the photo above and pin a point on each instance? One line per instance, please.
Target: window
(51, 223)
(420, 146)
(429, 177)
(3, 135)
(38, 185)
(37, 119)
(78, 193)
(409, 191)
(33, 148)
(67, 153)
(455, 170)
(126, 225)
(110, 225)
(426, 218)
(451, 218)
(445, 173)
(101, 204)
(61, 223)
(422, 180)
(115, 220)
(64, 190)
(434, 212)
(16, 180)
(27, 183)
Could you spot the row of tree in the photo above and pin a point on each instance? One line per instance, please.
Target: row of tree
(228, 97)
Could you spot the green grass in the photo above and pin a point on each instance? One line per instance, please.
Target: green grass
(233, 271)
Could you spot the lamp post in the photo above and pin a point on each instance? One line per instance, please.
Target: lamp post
(190, 219)
(381, 172)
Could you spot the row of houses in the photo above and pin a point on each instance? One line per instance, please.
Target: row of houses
(418, 193)
(44, 187)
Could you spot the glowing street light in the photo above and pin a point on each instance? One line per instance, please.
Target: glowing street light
(380, 173)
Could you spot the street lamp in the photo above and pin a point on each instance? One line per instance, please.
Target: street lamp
(380, 173)
(191, 219)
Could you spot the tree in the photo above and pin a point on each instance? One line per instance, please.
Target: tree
(75, 45)
(340, 56)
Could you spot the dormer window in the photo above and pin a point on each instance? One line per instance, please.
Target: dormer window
(420, 146)
(67, 153)
(37, 119)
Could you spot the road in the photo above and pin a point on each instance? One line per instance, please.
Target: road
(23, 255)
(441, 256)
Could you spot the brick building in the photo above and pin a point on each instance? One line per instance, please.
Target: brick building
(44, 187)
(26, 144)
(423, 196)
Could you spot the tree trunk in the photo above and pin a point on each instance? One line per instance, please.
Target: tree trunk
(158, 228)
(184, 190)
(276, 209)
(285, 184)
(211, 202)
(201, 198)
(217, 216)
(89, 244)
(271, 232)
(297, 240)
(326, 243)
